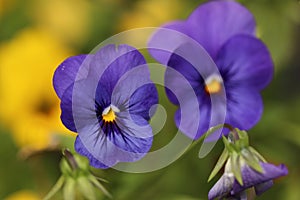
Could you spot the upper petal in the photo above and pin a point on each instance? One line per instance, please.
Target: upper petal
(245, 60)
(166, 39)
(65, 74)
(213, 23)
(253, 178)
(118, 60)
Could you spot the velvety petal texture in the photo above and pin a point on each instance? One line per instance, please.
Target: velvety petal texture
(213, 23)
(65, 74)
(245, 60)
(240, 65)
(106, 100)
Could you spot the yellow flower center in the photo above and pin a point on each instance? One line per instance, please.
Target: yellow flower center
(108, 114)
(213, 84)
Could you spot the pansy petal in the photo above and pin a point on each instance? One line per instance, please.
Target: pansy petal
(122, 58)
(66, 109)
(142, 101)
(161, 45)
(80, 148)
(222, 187)
(253, 178)
(179, 83)
(135, 92)
(194, 63)
(118, 142)
(188, 114)
(213, 23)
(245, 60)
(131, 133)
(65, 74)
(262, 187)
(244, 106)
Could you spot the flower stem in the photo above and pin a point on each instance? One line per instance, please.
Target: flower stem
(212, 130)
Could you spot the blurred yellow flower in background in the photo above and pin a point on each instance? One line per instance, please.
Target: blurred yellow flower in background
(23, 195)
(28, 104)
(148, 13)
(5, 5)
(67, 19)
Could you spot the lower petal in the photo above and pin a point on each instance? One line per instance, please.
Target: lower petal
(124, 141)
(80, 148)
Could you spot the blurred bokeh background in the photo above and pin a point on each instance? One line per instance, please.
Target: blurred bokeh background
(37, 35)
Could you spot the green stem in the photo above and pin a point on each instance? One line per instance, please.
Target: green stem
(233, 133)
(210, 131)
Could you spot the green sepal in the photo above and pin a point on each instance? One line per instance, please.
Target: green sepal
(69, 191)
(228, 145)
(252, 160)
(243, 141)
(86, 188)
(65, 167)
(58, 185)
(254, 152)
(93, 180)
(101, 179)
(82, 162)
(236, 169)
(222, 159)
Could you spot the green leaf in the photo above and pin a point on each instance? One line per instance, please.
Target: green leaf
(69, 189)
(222, 159)
(99, 186)
(58, 185)
(86, 188)
(236, 169)
(252, 160)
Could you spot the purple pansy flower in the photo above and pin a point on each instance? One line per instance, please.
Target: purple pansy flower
(106, 98)
(228, 187)
(226, 30)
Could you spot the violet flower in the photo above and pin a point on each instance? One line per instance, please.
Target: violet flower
(226, 30)
(106, 98)
(244, 168)
(227, 186)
